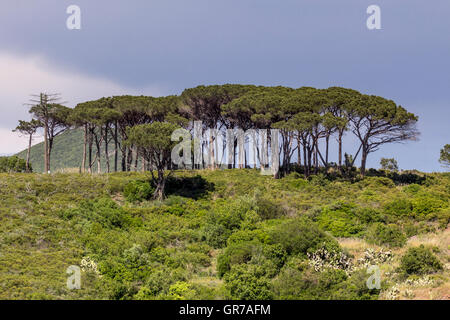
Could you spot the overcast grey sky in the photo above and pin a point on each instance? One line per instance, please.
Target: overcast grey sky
(160, 47)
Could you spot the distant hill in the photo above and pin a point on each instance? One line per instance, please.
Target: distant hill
(67, 152)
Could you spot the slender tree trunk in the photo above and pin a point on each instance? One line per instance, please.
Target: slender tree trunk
(90, 151)
(363, 161)
(340, 150)
(108, 169)
(305, 162)
(326, 150)
(124, 158)
(310, 163)
(83, 160)
(28, 153)
(98, 145)
(46, 160)
(212, 164)
(316, 159)
(50, 147)
(129, 157)
(116, 151)
(136, 159)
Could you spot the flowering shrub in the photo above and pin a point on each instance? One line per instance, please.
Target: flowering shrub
(372, 257)
(323, 259)
(420, 282)
(87, 264)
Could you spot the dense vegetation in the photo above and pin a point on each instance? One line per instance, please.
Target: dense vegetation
(309, 231)
(223, 234)
(13, 164)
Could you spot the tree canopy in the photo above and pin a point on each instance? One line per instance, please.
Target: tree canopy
(308, 120)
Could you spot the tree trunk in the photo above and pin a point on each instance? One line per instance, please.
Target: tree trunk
(316, 159)
(305, 162)
(124, 158)
(212, 164)
(83, 160)
(363, 162)
(98, 145)
(108, 169)
(28, 153)
(116, 151)
(46, 160)
(136, 159)
(90, 151)
(160, 185)
(50, 147)
(340, 150)
(129, 157)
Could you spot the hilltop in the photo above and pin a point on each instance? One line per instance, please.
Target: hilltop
(223, 234)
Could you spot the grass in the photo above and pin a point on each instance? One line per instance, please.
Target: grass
(49, 222)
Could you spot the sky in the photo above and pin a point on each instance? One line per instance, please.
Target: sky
(160, 47)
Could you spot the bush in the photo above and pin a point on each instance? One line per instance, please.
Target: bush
(399, 207)
(340, 221)
(103, 211)
(233, 255)
(295, 284)
(248, 282)
(137, 191)
(12, 164)
(426, 207)
(419, 260)
(270, 257)
(390, 235)
(267, 209)
(301, 236)
(226, 217)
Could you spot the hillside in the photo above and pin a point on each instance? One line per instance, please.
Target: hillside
(225, 234)
(67, 153)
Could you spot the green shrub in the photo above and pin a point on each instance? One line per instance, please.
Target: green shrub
(216, 235)
(399, 207)
(340, 221)
(427, 207)
(318, 180)
(296, 284)
(411, 229)
(137, 191)
(270, 257)
(12, 164)
(266, 209)
(419, 260)
(103, 211)
(390, 235)
(248, 282)
(225, 218)
(300, 236)
(233, 255)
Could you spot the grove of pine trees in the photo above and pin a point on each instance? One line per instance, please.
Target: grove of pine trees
(309, 121)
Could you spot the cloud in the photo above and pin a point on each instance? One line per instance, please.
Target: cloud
(21, 76)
